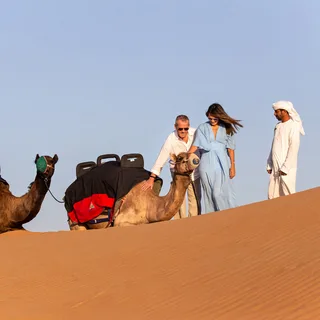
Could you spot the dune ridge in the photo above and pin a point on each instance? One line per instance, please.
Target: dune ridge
(259, 261)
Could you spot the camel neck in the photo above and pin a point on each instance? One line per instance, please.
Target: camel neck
(174, 199)
(31, 202)
(38, 190)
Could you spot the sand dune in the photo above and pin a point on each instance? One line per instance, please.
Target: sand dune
(255, 262)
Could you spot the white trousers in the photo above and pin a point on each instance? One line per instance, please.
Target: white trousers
(282, 185)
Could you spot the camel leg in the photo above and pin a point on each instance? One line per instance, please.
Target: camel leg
(3, 230)
(99, 225)
(75, 226)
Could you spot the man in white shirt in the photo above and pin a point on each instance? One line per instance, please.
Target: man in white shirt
(283, 158)
(180, 140)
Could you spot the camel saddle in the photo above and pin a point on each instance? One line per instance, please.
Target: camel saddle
(99, 185)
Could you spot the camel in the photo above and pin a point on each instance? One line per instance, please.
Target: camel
(142, 207)
(16, 211)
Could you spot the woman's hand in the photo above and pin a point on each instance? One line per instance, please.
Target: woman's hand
(232, 171)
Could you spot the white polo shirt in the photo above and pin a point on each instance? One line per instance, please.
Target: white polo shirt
(174, 145)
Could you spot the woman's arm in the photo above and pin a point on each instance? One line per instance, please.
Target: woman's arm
(233, 165)
(192, 149)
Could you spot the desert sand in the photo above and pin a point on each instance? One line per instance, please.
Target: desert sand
(255, 262)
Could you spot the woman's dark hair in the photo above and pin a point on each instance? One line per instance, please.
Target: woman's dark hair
(232, 125)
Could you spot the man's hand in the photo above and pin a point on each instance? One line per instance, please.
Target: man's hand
(282, 173)
(269, 171)
(147, 184)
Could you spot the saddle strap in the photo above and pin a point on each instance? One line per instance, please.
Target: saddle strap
(109, 218)
(94, 221)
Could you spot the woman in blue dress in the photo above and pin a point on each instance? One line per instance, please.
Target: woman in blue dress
(216, 144)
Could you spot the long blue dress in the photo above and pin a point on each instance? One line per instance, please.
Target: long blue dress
(218, 191)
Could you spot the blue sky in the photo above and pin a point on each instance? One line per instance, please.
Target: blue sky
(84, 78)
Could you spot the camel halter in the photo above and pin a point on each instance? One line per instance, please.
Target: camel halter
(195, 162)
(43, 166)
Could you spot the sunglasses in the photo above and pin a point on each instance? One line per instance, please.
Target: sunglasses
(183, 129)
(213, 119)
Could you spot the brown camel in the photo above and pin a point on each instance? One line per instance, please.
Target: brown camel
(16, 211)
(141, 207)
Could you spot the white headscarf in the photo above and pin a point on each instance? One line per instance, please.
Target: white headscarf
(293, 114)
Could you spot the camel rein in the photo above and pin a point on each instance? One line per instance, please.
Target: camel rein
(197, 198)
(46, 183)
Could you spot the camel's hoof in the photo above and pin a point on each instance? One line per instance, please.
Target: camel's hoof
(77, 227)
(81, 228)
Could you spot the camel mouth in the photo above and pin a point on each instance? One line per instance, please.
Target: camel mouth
(193, 162)
(45, 165)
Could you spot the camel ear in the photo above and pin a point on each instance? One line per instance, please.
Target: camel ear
(173, 157)
(37, 157)
(55, 159)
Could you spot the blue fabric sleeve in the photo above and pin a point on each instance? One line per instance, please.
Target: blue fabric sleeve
(231, 143)
(200, 139)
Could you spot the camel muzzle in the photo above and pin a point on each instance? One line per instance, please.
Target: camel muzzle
(193, 161)
(42, 165)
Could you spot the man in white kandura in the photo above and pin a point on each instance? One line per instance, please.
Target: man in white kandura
(283, 158)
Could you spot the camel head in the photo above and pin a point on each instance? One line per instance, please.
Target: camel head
(45, 165)
(185, 163)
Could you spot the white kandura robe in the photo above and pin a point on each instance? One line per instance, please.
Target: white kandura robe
(284, 156)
